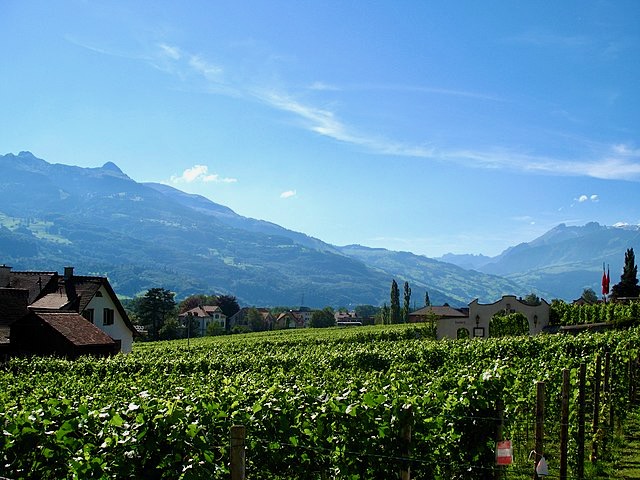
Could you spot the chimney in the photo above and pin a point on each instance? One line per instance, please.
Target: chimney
(4, 276)
(68, 273)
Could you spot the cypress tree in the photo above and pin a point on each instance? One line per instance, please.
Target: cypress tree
(407, 302)
(628, 285)
(395, 303)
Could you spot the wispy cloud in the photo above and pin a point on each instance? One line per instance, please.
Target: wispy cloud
(209, 70)
(618, 161)
(323, 87)
(111, 52)
(548, 39)
(288, 194)
(171, 52)
(614, 162)
(200, 173)
(325, 122)
(425, 89)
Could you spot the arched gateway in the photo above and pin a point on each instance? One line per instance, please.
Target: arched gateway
(477, 323)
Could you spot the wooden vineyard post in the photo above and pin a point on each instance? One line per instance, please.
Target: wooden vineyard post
(237, 452)
(499, 469)
(582, 379)
(632, 381)
(539, 426)
(405, 439)
(607, 399)
(564, 423)
(596, 410)
(612, 410)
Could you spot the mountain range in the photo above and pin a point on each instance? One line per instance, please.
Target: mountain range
(145, 235)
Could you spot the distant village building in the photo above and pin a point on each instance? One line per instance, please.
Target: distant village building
(203, 317)
(474, 321)
(240, 318)
(288, 319)
(67, 315)
(304, 315)
(347, 319)
(439, 313)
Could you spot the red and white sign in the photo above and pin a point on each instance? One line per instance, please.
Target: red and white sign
(504, 453)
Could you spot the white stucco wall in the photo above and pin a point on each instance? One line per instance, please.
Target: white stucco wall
(204, 322)
(480, 316)
(537, 315)
(448, 327)
(117, 331)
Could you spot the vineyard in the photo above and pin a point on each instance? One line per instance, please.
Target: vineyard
(316, 404)
(611, 312)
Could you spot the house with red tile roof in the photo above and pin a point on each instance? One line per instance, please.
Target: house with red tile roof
(288, 320)
(202, 317)
(67, 315)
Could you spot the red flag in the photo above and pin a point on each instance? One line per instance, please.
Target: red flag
(605, 281)
(608, 279)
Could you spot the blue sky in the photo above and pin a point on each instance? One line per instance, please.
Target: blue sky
(426, 126)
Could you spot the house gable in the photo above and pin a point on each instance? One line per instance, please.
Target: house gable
(105, 311)
(204, 316)
(48, 292)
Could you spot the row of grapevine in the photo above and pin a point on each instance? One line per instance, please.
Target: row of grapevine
(612, 312)
(316, 404)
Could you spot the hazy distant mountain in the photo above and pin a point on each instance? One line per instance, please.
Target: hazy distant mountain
(467, 261)
(148, 235)
(231, 218)
(568, 259)
(563, 261)
(424, 273)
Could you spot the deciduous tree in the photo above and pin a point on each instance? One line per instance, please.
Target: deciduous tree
(255, 320)
(194, 301)
(323, 318)
(589, 295)
(532, 299)
(155, 308)
(364, 311)
(228, 304)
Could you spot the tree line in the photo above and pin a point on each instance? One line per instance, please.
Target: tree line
(158, 311)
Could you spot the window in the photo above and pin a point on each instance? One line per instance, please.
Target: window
(88, 314)
(107, 316)
(98, 293)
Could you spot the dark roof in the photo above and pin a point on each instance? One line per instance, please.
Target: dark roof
(69, 294)
(204, 311)
(212, 309)
(13, 305)
(34, 282)
(75, 328)
(444, 311)
(52, 301)
(85, 288)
